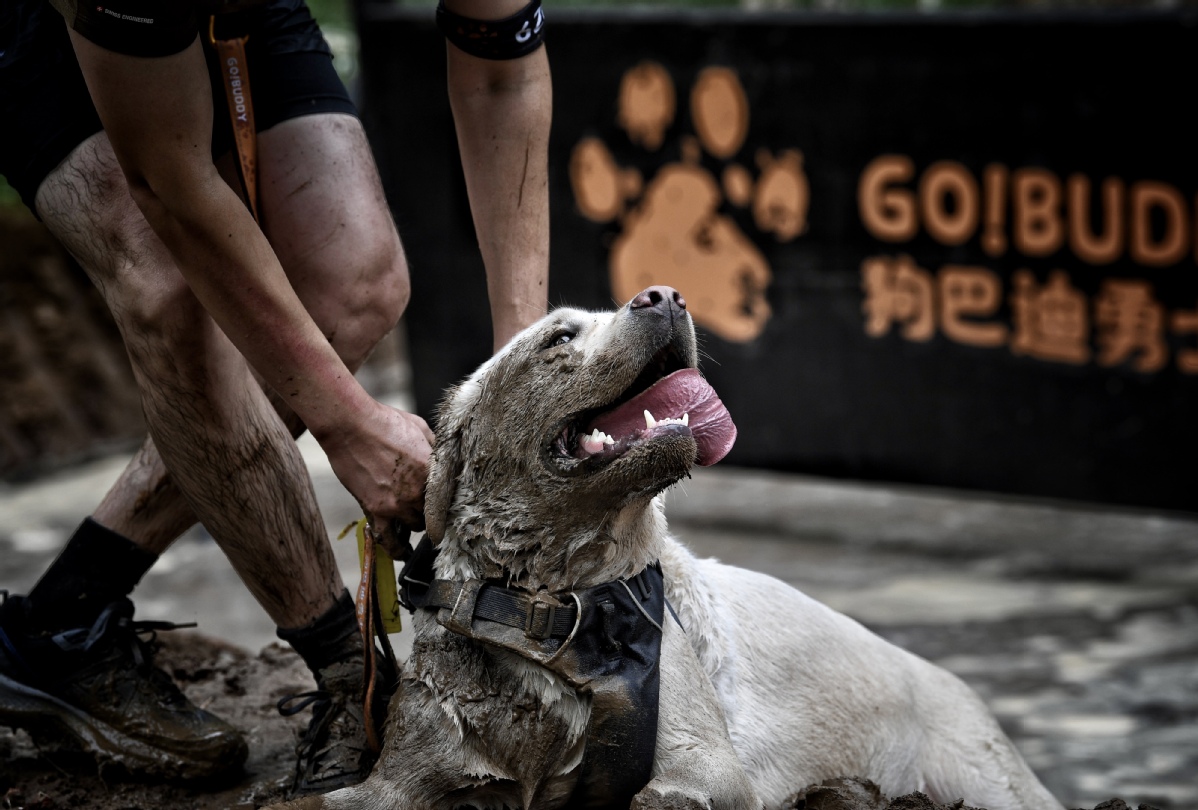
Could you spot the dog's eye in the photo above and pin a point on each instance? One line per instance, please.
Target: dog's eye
(559, 338)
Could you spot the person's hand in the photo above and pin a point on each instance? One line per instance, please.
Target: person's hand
(383, 461)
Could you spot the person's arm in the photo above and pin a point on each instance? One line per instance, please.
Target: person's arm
(158, 115)
(502, 111)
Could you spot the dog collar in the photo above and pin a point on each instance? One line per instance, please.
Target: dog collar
(604, 641)
(551, 629)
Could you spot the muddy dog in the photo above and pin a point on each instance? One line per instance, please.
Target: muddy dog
(542, 503)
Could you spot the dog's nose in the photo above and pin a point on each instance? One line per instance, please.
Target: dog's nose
(660, 297)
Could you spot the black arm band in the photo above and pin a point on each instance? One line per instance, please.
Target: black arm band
(509, 38)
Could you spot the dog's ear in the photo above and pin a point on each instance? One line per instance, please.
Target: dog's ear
(446, 463)
(443, 474)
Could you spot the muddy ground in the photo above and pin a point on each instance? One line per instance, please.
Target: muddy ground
(244, 689)
(226, 680)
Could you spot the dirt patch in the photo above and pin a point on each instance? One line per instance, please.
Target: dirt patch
(243, 689)
(68, 390)
(240, 687)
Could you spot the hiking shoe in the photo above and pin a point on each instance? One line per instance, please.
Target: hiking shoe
(98, 688)
(333, 752)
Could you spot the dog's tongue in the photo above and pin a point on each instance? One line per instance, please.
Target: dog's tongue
(670, 397)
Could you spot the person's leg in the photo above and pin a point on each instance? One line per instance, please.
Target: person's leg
(86, 203)
(324, 210)
(348, 268)
(82, 667)
(326, 216)
(329, 223)
(353, 276)
(227, 448)
(71, 657)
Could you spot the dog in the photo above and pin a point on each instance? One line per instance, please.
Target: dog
(543, 488)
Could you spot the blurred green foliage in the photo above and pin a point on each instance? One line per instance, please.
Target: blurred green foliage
(337, 21)
(8, 197)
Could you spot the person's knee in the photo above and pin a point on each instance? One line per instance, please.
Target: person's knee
(362, 306)
(394, 286)
(87, 204)
(381, 305)
(164, 326)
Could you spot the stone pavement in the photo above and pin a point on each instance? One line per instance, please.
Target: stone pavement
(1077, 624)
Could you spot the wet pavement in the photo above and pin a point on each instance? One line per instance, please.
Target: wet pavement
(1077, 624)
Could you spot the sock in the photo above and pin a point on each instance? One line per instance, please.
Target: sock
(97, 567)
(331, 638)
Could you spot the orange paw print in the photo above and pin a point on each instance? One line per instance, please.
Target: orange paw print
(672, 230)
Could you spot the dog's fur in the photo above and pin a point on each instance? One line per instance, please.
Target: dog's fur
(763, 690)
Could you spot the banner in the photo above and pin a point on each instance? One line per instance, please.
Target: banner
(956, 250)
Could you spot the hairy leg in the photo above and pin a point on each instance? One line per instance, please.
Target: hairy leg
(240, 470)
(326, 216)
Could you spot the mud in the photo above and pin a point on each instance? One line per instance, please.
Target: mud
(238, 686)
(243, 689)
(68, 390)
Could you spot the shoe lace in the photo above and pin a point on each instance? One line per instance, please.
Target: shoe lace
(318, 739)
(115, 627)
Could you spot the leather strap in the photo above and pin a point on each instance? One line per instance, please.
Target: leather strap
(370, 624)
(236, 79)
(539, 617)
(365, 612)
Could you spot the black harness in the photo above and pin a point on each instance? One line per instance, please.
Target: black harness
(604, 641)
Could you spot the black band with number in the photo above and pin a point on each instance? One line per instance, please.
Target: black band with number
(509, 38)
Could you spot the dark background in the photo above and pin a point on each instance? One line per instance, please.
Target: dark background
(1103, 94)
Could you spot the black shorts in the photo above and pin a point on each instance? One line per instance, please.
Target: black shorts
(46, 110)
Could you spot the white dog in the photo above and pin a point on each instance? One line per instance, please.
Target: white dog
(522, 686)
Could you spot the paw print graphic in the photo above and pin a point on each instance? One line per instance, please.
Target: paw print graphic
(672, 229)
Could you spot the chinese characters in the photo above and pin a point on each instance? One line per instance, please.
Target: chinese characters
(1031, 212)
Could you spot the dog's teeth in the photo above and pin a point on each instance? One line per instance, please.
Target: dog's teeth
(595, 441)
(651, 423)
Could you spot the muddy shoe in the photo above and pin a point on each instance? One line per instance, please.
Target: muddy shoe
(333, 753)
(97, 687)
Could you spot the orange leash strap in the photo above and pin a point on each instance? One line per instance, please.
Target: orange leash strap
(368, 610)
(366, 624)
(236, 79)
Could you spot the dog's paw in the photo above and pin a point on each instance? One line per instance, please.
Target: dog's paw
(838, 794)
(669, 799)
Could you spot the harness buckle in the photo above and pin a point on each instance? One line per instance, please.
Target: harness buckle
(541, 612)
